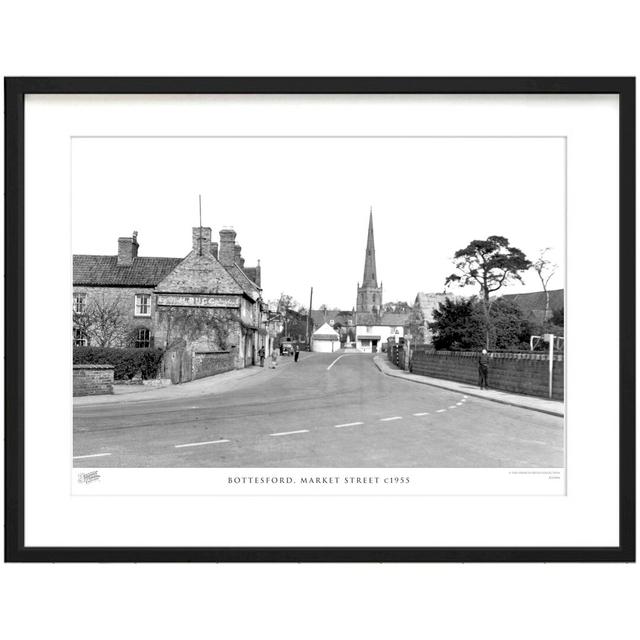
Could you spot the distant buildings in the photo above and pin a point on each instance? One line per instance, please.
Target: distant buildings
(533, 305)
(373, 327)
(422, 314)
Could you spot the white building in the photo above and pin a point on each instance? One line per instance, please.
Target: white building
(325, 340)
(373, 330)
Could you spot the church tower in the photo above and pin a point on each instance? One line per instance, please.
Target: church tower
(369, 294)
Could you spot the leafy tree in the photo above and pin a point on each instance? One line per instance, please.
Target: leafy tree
(490, 264)
(557, 317)
(454, 325)
(462, 325)
(508, 328)
(545, 269)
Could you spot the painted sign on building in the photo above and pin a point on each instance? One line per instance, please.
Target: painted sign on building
(175, 300)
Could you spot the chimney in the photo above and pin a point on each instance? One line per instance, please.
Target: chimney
(127, 250)
(201, 239)
(226, 253)
(258, 274)
(214, 249)
(237, 257)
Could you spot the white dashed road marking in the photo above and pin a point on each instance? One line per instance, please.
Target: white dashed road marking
(199, 444)
(288, 433)
(440, 410)
(347, 424)
(336, 360)
(453, 406)
(424, 413)
(459, 404)
(92, 455)
(393, 418)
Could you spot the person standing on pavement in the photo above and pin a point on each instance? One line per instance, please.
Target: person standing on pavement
(261, 356)
(483, 369)
(274, 359)
(296, 353)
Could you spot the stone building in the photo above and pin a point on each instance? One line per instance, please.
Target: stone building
(422, 314)
(205, 309)
(369, 299)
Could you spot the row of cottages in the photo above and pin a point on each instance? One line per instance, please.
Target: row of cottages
(205, 309)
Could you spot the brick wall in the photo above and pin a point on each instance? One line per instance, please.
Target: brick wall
(526, 373)
(210, 363)
(92, 379)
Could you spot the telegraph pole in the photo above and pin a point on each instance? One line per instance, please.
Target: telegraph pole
(200, 212)
(309, 318)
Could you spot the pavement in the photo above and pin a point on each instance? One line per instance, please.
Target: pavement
(552, 407)
(212, 385)
(327, 410)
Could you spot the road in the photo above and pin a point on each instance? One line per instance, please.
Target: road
(319, 412)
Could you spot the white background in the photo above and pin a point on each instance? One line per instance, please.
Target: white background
(489, 38)
(305, 201)
(587, 516)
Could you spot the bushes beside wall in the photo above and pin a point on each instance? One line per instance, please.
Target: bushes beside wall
(127, 363)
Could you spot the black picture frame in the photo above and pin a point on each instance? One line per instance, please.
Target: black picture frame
(15, 91)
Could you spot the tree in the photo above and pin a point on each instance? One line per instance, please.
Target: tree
(490, 264)
(461, 325)
(396, 307)
(545, 269)
(104, 321)
(454, 325)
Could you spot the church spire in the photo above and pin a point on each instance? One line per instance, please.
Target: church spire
(369, 278)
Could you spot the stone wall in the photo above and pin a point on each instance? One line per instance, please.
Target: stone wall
(526, 373)
(210, 363)
(92, 379)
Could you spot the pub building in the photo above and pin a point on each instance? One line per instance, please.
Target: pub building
(204, 310)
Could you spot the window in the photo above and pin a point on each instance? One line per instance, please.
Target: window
(143, 339)
(143, 304)
(79, 338)
(79, 302)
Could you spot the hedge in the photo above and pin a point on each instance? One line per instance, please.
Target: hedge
(127, 363)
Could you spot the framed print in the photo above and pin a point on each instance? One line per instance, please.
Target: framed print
(320, 319)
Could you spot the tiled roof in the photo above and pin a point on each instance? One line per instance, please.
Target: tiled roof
(249, 287)
(536, 301)
(103, 271)
(252, 273)
(385, 320)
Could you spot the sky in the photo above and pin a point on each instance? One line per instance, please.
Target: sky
(301, 205)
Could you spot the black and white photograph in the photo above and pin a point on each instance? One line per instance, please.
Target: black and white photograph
(362, 315)
(318, 302)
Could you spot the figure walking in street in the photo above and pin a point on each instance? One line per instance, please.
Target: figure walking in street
(483, 369)
(296, 353)
(274, 359)
(261, 356)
